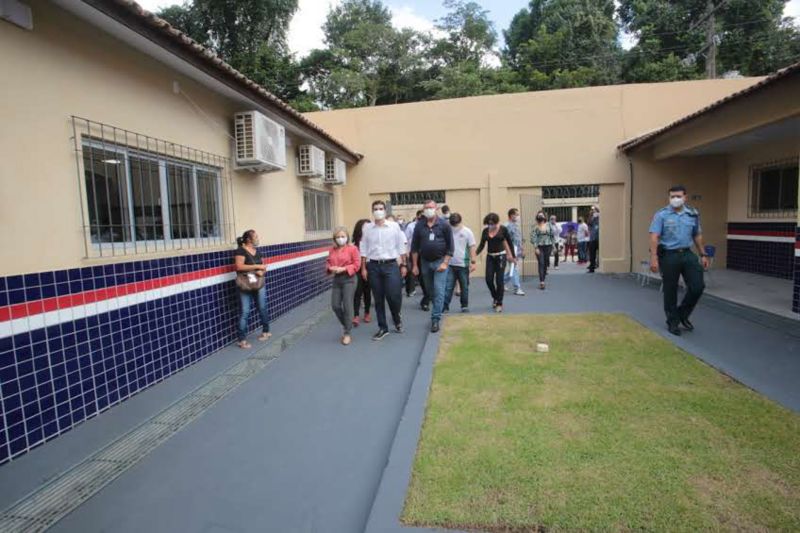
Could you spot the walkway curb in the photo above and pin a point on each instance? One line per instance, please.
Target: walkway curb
(384, 517)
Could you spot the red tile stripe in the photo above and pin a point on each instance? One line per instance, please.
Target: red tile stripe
(22, 310)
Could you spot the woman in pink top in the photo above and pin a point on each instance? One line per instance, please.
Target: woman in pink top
(344, 261)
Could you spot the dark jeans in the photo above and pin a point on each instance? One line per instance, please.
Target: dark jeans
(342, 300)
(387, 286)
(437, 283)
(672, 266)
(460, 275)
(246, 301)
(410, 281)
(495, 268)
(544, 261)
(426, 296)
(554, 251)
(593, 248)
(582, 251)
(362, 293)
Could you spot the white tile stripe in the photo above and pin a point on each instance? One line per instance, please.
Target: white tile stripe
(60, 316)
(765, 238)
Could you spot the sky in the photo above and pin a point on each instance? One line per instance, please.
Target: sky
(305, 30)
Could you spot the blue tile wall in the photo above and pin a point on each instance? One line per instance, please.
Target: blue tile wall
(58, 376)
(762, 257)
(796, 297)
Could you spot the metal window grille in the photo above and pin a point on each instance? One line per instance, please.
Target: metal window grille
(570, 191)
(318, 209)
(773, 189)
(416, 197)
(142, 195)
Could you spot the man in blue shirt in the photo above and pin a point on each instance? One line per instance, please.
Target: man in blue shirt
(431, 250)
(673, 231)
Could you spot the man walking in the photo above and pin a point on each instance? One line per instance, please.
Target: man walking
(411, 281)
(558, 240)
(515, 232)
(672, 232)
(431, 250)
(462, 263)
(383, 264)
(594, 238)
(583, 240)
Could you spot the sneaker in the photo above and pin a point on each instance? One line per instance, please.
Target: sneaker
(465, 309)
(398, 328)
(355, 322)
(555, 267)
(367, 318)
(434, 326)
(519, 292)
(498, 309)
(380, 335)
(425, 307)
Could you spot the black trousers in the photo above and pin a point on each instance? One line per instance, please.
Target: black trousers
(544, 261)
(364, 293)
(594, 246)
(495, 269)
(555, 257)
(387, 287)
(673, 265)
(410, 281)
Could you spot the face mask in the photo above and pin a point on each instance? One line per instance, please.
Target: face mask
(341, 241)
(492, 227)
(379, 214)
(256, 243)
(540, 219)
(429, 213)
(676, 202)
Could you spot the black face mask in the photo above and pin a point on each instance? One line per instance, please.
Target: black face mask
(540, 219)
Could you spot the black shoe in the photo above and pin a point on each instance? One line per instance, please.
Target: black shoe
(380, 335)
(398, 328)
(674, 329)
(434, 326)
(465, 309)
(425, 307)
(688, 325)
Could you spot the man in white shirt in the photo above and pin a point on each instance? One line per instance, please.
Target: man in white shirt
(583, 240)
(411, 281)
(461, 264)
(384, 264)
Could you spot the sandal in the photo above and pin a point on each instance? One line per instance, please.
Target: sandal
(264, 336)
(244, 345)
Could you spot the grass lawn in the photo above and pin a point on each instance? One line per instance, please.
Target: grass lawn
(614, 429)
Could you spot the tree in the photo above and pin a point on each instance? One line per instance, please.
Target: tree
(564, 43)
(754, 39)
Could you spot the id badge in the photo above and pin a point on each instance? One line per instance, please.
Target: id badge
(431, 237)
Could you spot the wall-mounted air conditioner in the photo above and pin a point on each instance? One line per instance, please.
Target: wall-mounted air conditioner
(260, 142)
(310, 161)
(335, 171)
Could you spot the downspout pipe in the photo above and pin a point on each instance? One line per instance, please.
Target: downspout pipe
(630, 215)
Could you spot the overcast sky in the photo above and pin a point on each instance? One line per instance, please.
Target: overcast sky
(305, 31)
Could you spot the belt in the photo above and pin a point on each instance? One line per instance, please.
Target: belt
(383, 261)
(496, 254)
(678, 251)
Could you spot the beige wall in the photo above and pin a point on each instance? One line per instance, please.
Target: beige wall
(500, 145)
(65, 67)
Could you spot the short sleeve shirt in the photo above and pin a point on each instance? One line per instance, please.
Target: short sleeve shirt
(515, 232)
(249, 259)
(463, 239)
(676, 229)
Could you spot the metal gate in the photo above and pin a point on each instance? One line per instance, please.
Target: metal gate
(529, 205)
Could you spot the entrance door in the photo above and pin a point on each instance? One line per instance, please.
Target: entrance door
(529, 205)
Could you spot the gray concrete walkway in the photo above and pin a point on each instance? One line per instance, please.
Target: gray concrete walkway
(302, 446)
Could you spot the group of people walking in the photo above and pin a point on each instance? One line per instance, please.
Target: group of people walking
(385, 257)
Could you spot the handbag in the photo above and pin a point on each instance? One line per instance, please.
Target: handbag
(250, 281)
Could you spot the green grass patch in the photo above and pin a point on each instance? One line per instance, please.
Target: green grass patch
(614, 429)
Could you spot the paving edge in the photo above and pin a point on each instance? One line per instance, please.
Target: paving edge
(49, 503)
(384, 516)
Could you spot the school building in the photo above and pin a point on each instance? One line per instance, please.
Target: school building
(132, 157)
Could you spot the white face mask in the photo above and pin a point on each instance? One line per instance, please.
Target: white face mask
(429, 213)
(341, 241)
(676, 202)
(379, 214)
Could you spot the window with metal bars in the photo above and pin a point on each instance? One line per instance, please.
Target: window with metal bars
(773, 189)
(416, 197)
(318, 208)
(146, 195)
(570, 191)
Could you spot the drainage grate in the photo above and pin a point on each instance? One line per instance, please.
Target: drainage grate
(50, 503)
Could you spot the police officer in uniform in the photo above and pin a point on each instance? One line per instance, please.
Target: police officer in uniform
(672, 232)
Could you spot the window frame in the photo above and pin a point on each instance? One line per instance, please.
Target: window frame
(168, 242)
(755, 184)
(311, 214)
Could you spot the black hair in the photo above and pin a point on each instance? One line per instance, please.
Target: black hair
(491, 218)
(419, 213)
(580, 220)
(246, 237)
(358, 231)
(677, 188)
(445, 209)
(378, 202)
(455, 219)
(542, 215)
(513, 211)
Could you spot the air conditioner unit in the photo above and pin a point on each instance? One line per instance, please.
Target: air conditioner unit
(260, 142)
(310, 161)
(335, 171)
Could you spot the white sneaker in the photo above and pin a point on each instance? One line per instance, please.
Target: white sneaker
(519, 292)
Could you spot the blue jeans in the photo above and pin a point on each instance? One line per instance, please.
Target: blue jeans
(436, 283)
(387, 286)
(460, 274)
(513, 272)
(582, 251)
(246, 300)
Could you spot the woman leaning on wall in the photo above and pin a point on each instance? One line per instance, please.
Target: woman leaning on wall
(251, 282)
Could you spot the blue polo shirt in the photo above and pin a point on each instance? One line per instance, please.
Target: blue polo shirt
(676, 229)
(432, 242)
